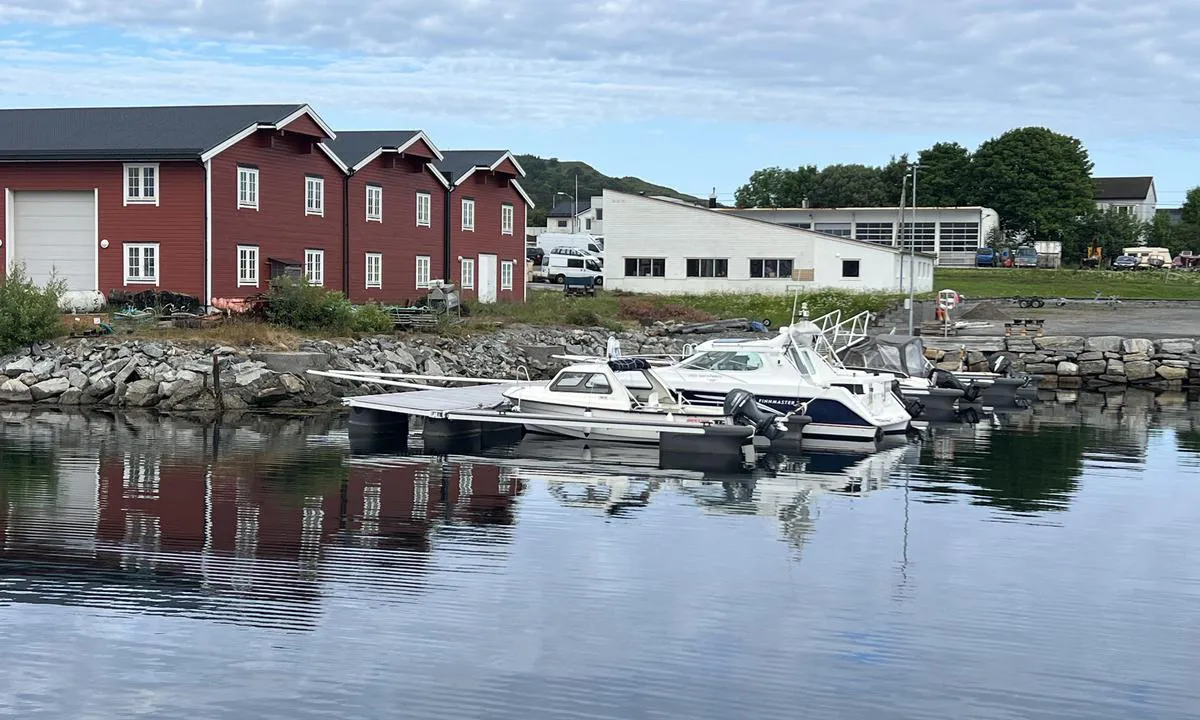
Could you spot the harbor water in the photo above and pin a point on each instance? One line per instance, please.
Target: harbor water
(1042, 565)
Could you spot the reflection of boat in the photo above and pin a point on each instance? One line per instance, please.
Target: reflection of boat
(612, 410)
(786, 372)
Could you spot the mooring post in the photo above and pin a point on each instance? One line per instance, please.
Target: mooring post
(216, 374)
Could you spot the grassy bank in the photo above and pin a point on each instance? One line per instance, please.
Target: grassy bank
(1007, 282)
(548, 307)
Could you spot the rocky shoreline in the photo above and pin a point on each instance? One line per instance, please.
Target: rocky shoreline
(1072, 362)
(176, 377)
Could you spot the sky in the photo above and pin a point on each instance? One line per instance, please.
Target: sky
(693, 94)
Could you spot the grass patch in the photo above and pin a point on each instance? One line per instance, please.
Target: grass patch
(614, 310)
(1008, 282)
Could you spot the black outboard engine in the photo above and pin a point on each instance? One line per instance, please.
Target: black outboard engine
(944, 379)
(744, 409)
(1001, 364)
(913, 407)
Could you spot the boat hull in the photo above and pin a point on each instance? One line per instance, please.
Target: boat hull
(639, 435)
(831, 420)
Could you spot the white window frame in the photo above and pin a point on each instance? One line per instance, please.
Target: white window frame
(138, 196)
(377, 258)
(468, 214)
(507, 269)
(250, 254)
(508, 216)
(141, 278)
(423, 271)
(314, 267)
(247, 179)
(314, 195)
(466, 273)
(424, 209)
(375, 214)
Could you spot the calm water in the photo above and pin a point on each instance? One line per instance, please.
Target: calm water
(1047, 566)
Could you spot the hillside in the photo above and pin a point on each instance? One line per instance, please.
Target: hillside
(545, 176)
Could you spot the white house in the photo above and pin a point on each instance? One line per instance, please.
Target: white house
(950, 234)
(658, 246)
(569, 216)
(1132, 195)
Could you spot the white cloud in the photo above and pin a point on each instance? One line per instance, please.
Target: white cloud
(1103, 66)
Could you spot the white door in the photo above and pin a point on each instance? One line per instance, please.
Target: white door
(486, 282)
(55, 233)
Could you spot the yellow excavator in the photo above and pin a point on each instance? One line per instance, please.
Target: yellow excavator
(1093, 257)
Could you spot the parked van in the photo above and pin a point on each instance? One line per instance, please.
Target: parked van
(580, 241)
(557, 267)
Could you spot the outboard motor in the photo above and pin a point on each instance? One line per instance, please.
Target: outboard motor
(1001, 364)
(744, 409)
(944, 379)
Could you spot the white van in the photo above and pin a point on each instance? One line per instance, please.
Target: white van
(580, 241)
(557, 267)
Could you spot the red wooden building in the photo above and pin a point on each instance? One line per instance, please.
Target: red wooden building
(395, 214)
(485, 223)
(191, 199)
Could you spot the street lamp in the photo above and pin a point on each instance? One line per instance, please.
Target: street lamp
(574, 204)
(912, 251)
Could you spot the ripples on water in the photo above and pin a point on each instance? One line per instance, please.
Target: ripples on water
(1044, 566)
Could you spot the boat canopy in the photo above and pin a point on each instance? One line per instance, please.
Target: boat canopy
(629, 364)
(900, 354)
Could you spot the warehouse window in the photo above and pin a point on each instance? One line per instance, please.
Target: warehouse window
(959, 237)
(141, 184)
(771, 268)
(645, 267)
(247, 265)
(851, 269)
(924, 236)
(707, 267)
(141, 263)
(374, 270)
(880, 233)
(838, 229)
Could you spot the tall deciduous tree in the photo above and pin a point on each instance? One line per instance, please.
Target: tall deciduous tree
(1190, 212)
(945, 176)
(1039, 181)
(850, 186)
(1111, 230)
(777, 187)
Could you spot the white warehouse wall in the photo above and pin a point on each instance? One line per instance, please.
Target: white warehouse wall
(642, 227)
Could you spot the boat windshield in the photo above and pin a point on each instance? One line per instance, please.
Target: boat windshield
(725, 361)
(581, 382)
(801, 360)
(915, 359)
(884, 357)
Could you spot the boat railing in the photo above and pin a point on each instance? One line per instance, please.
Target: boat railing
(837, 334)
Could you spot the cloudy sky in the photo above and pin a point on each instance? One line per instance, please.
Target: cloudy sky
(694, 94)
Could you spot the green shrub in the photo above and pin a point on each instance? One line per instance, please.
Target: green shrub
(649, 310)
(28, 313)
(299, 305)
(372, 318)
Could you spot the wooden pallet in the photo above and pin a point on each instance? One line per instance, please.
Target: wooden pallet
(1025, 327)
(413, 317)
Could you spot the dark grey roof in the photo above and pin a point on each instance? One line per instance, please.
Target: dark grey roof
(564, 208)
(1122, 188)
(127, 133)
(353, 146)
(456, 163)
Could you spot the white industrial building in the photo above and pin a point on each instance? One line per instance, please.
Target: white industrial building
(659, 246)
(950, 234)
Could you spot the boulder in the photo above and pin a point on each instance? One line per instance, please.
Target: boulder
(44, 369)
(1177, 346)
(1115, 379)
(1067, 369)
(296, 363)
(15, 391)
(1041, 368)
(19, 367)
(48, 389)
(292, 384)
(1135, 357)
(1166, 372)
(1070, 382)
(1090, 356)
(1137, 345)
(1020, 345)
(1139, 370)
(100, 385)
(153, 350)
(1093, 367)
(950, 365)
(141, 393)
(1070, 343)
(77, 379)
(30, 379)
(246, 378)
(1116, 367)
(402, 359)
(73, 396)
(1103, 343)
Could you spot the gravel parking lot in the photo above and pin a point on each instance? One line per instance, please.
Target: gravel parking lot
(1129, 318)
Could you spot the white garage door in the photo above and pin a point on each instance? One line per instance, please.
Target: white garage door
(55, 232)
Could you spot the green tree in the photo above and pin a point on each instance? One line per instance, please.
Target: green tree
(945, 176)
(777, 187)
(28, 313)
(1190, 212)
(1039, 181)
(851, 186)
(1111, 230)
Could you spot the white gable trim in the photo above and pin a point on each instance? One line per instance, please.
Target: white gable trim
(438, 176)
(306, 110)
(333, 156)
(522, 193)
(508, 156)
(381, 150)
(243, 134)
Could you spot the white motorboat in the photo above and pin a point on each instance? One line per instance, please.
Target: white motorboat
(785, 373)
(929, 394)
(590, 400)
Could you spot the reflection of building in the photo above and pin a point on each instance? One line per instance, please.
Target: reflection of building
(610, 494)
(157, 530)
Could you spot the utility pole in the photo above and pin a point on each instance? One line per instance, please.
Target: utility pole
(899, 241)
(912, 254)
(575, 205)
